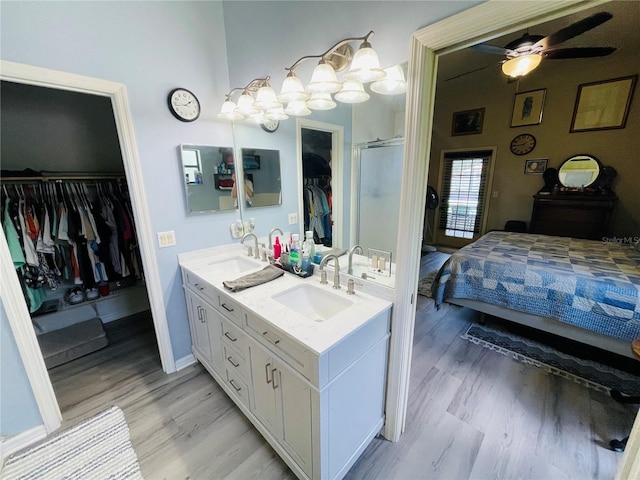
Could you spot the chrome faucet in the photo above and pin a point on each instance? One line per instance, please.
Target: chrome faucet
(336, 271)
(351, 252)
(247, 235)
(271, 236)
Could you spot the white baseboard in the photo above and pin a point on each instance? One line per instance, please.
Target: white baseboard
(11, 445)
(184, 362)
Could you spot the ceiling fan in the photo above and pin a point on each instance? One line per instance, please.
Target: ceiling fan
(525, 54)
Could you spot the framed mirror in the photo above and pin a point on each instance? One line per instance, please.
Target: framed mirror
(579, 171)
(199, 166)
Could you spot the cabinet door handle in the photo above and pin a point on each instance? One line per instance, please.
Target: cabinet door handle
(275, 341)
(204, 315)
(266, 372)
(199, 312)
(226, 334)
(230, 359)
(233, 384)
(273, 377)
(224, 305)
(197, 285)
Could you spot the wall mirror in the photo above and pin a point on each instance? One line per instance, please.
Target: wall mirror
(579, 171)
(199, 168)
(262, 180)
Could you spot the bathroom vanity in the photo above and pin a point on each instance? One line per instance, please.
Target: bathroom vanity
(305, 363)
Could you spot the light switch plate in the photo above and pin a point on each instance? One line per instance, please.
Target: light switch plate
(293, 218)
(166, 239)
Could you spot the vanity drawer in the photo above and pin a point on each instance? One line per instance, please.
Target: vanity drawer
(232, 335)
(238, 387)
(195, 283)
(235, 362)
(230, 308)
(289, 350)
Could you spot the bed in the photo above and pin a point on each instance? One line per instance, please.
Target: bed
(585, 290)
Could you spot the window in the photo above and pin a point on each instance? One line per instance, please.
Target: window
(191, 166)
(463, 192)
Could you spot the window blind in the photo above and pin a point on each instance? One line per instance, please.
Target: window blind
(463, 192)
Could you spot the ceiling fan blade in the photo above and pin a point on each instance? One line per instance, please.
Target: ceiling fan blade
(573, 30)
(577, 52)
(469, 72)
(483, 47)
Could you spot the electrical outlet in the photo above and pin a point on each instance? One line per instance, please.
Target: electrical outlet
(495, 194)
(166, 239)
(293, 218)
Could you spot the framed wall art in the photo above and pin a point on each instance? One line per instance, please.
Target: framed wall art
(468, 122)
(535, 166)
(603, 105)
(527, 108)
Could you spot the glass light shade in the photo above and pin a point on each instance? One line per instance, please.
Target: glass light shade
(266, 98)
(392, 84)
(321, 101)
(365, 66)
(257, 117)
(228, 111)
(352, 92)
(276, 114)
(245, 105)
(292, 89)
(323, 80)
(519, 66)
(298, 108)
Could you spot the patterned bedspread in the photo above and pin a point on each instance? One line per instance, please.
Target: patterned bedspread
(587, 283)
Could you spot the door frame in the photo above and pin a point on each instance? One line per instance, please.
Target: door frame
(337, 175)
(481, 23)
(10, 291)
(461, 242)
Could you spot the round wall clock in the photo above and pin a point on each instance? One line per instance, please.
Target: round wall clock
(522, 144)
(184, 105)
(270, 125)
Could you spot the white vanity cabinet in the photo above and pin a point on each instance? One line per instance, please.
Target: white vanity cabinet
(314, 388)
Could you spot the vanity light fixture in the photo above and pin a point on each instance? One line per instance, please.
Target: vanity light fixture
(521, 65)
(259, 102)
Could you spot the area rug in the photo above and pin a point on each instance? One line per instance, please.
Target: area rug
(599, 376)
(96, 448)
(424, 284)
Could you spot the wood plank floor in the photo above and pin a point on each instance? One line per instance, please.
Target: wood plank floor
(473, 413)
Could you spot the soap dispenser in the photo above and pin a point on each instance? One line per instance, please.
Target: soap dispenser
(277, 249)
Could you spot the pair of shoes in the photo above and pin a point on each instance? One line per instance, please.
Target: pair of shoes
(92, 293)
(74, 295)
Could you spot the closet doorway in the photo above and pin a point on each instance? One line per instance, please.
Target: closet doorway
(320, 149)
(12, 295)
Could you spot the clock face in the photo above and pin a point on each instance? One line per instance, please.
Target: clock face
(184, 105)
(523, 144)
(270, 125)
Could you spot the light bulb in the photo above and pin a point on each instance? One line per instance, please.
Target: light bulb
(352, 92)
(393, 83)
(323, 80)
(520, 66)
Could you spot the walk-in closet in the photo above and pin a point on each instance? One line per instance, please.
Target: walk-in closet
(68, 221)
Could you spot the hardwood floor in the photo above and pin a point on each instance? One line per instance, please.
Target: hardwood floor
(472, 414)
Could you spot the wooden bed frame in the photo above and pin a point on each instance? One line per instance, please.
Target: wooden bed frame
(549, 325)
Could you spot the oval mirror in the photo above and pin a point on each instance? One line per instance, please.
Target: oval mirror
(579, 171)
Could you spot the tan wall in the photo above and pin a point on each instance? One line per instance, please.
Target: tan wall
(488, 88)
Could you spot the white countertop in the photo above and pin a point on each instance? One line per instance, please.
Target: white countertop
(316, 335)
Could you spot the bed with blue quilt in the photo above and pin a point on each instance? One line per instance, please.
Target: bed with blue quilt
(585, 290)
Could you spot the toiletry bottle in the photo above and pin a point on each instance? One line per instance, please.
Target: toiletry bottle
(277, 248)
(294, 252)
(306, 262)
(309, 244)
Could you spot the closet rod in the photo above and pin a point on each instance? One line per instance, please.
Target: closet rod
(53, 178)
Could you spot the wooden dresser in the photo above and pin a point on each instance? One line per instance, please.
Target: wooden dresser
(572, 214)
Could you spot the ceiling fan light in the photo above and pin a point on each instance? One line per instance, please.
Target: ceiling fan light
(245, 105)
(323, 80)
(393, 83)
(365, 66)
(352, 92)
(266, 98)
(276, 114)
(297, 109)
(321, 101)
(292, 89)
(228, 111)
(522, 65)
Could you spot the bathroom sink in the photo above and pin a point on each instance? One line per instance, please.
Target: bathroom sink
(235, 265)
(313, 302)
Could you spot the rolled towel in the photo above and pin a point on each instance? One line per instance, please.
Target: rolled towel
(265, 275)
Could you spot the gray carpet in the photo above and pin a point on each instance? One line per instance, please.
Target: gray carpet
(496, 336)
(424, 284)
